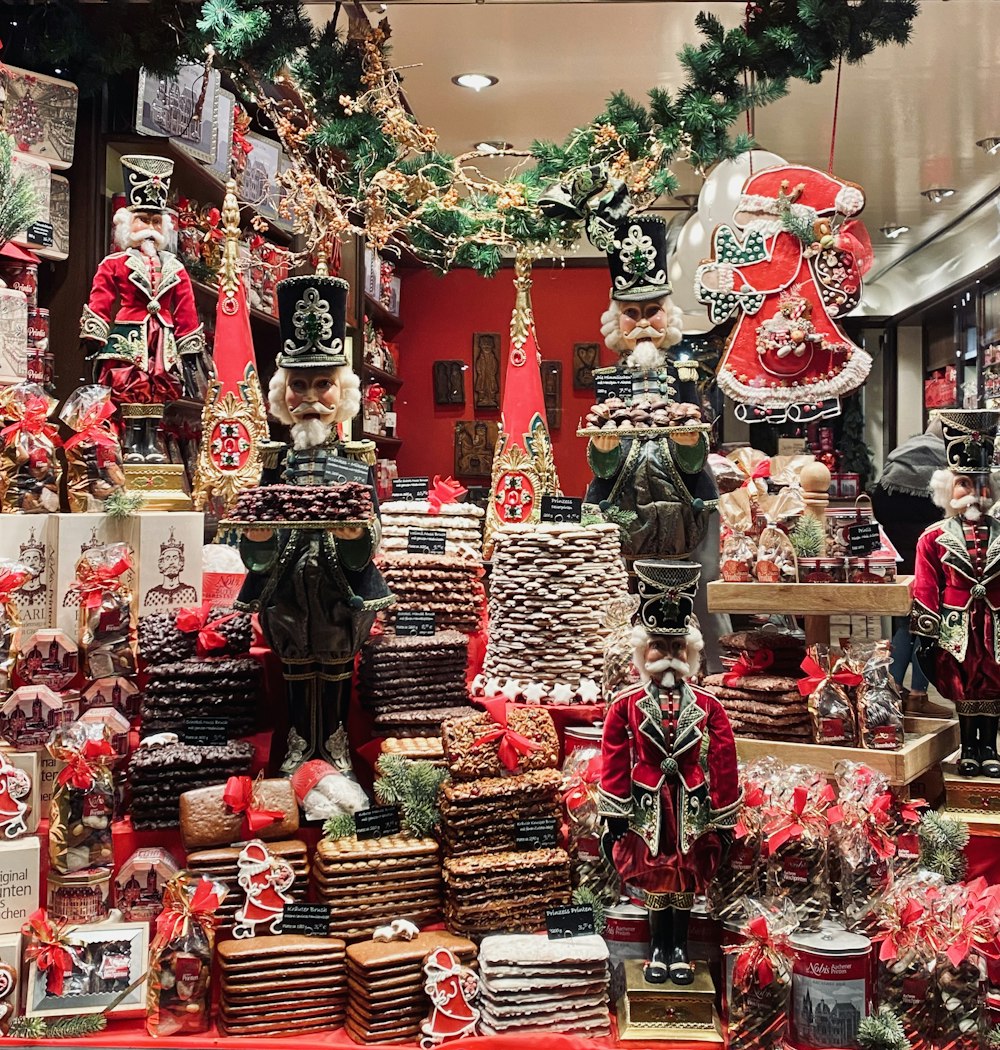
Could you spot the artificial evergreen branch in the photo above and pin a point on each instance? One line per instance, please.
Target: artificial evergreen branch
(123, 504)
(942, 843)
(18, 207)
(808, 537)
(586, 895)
(61, 1028)
(341, 826)
(882, 1031)
(413, 786)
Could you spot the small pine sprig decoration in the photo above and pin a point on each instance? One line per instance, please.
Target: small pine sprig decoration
(18, 207)
(993, 1038)
(882, 1031)
(586, 895)
(808, 537)
(413, 786)
(123, 504)
(61, 1028)
(942, 843)
(341, 826)
(27, 1027)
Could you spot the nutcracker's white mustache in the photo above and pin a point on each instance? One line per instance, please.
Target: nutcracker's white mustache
(148, 240)
(669, 663)
(313, 410)
(970, 505)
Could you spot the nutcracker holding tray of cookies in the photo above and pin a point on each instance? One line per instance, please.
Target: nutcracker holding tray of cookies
(309, 540)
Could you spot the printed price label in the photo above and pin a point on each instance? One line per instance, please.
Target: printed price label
(376, 823)
(341, 469)
(562, 508)
(415, 621)
(426, 541)
(571, 920)
(42, 233)
(539, 833)
(309, 920)
(410, 488)
(609, 386)
(863, 538)
(205, 731)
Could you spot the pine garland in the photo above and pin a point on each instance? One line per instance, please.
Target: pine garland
(856, 457)
(413, 786)
(341, 826)
(882, 1031)
(808, 537)
(942, 843)
(61, 1028)
(18, 207)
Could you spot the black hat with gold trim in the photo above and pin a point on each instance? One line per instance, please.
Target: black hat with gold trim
(638, 259)
(970, 437)
(147, 181)
(666, 595)
(312, 314)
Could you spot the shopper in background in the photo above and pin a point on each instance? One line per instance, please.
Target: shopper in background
(903, 505)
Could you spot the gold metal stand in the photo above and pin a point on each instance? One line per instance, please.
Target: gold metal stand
(668, 1011)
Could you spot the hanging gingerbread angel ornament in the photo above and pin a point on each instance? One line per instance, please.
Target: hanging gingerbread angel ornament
(789, 267)
(266, 880)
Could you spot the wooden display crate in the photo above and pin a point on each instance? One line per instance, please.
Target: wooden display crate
(927, 741)
(812, 599)
(973, 799)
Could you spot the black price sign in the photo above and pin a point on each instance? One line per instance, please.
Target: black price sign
(571, 920)
(309, 920)
(205, 731)
(539, 833)
(341, 469)
(614, 385)
(426, 541)
(376, 823)
(863, 539)
(42, 233)
(410, 488)
(415, 621)
(562, 508)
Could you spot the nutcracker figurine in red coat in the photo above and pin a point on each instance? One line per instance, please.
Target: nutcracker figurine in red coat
(956, 588)
(149, 348)
(670, 791)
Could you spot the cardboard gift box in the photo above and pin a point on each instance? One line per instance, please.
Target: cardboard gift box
(48, 770)
(13, 335)
(20, 882)
(122, 694)
(139, 882)
(32, 540)
(166, 558)
(39, 176)
(59, 218)
(47, 657)
(40, 113)
(31, 713)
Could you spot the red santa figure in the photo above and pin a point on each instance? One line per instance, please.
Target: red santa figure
(670, 792)
(787, 267)
(956, 588)
(149, 349)
(265, 879)
(15, 786)
(451, 988)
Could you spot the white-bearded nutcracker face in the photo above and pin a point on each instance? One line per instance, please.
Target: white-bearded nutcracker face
(312, 393)
(643, 321)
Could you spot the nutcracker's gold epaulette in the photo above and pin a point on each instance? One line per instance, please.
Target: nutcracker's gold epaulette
(361, 450)
(271, 453)
(608, 370)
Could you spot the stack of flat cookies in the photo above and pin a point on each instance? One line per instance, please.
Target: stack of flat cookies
(370, 882)
(412, 682)
(448, 585)
(220, 864)
(549, 588)
(764, 702)
(532, 984)
(463, 523)
(419, 748)
(273, 986)
(386, 1001)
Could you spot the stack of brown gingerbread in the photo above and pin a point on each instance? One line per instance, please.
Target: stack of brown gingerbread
(284, 985)
(385, 980)
(449, 585)
(760, 689)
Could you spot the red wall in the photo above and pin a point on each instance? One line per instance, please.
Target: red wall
(440, 315)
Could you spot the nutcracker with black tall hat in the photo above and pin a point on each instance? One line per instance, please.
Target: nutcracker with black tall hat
(149, 348)
(956, 587)
(656, 483)
(670, 791)
(316, 591)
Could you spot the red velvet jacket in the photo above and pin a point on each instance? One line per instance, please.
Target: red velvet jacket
(124, 278)
(640, 768)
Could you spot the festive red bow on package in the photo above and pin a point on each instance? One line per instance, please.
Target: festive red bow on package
(512, 744)
(874, 817)
(806, 814)
(180, 907)
(758, 474)
(11, 578)
(753, 801)
(34, 420)
(210, 637)
(973, 922)
(578, 789)
(901, 928)
(81, 766)
(747, 664)
(94, 428)
(759, 955)
(50, 949)
(817, 676)
(241, 796)
(442, 492)
(95, 581)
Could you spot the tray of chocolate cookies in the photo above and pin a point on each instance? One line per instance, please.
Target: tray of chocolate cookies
(343, 506)
(645, 417)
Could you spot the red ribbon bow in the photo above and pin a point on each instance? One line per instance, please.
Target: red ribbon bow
(758, 956)
(240, 796)
(817, 676)
(81, 766)
(753, 800)
(93, 428)
(10, 580)
(49, 949)
(97, 580)
(578, 789)
(210, 637)
(512, 744)
(805, 815)
(34, 420)
(907, 927)
(747, 664)
(442, 492)
(180, 906)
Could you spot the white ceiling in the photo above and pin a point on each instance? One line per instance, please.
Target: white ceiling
(909, 117)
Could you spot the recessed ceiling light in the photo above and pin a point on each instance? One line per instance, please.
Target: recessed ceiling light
(493, 146)
(937, 194)
(990, 146)
(475, 81)
(893, 231)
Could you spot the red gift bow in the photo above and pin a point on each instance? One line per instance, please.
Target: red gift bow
(873, 816)
(34, 420)
(10, 580)
(81, 766)
(577, 790)
(805, 814)
(753, 799)
(201, 906)
(240, 796)
(99, 580)
(748, 664)
(907, 927)
(512, 744)
(759, 955)
(209, 637)
(817, 676)
(442, 492)
(50, 949)
(91, 428)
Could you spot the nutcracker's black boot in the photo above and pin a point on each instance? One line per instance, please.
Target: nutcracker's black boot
(303, 728)
(335, 695)
(968, 763)
(657, 969)
(681, 970)
(989, 761)
(132, 440)
(151, 450)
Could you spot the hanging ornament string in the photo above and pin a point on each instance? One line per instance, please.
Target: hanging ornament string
(749, 79)
(836, 108)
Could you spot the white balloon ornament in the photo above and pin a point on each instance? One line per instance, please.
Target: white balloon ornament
(724, 185)
(691, 250)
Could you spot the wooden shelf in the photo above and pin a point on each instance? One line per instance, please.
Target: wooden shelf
(381, 376)
(812, 599)
(380, 316)
(210, 294)
(382, 439)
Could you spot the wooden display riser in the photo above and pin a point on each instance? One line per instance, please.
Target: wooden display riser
(975, 800)
(927, 742)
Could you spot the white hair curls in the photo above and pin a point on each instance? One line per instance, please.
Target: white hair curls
(123, 227)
